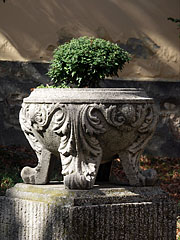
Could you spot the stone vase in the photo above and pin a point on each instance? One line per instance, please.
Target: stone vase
(87, 127)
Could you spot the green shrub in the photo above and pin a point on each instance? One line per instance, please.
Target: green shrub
(8, 179)
(83, 62)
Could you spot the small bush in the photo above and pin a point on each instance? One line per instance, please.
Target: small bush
(83, 62)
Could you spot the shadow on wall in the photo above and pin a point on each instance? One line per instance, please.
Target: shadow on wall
(151, 65)
(34, 28)
(16, 81)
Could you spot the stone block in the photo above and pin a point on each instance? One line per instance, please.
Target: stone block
(106, 212)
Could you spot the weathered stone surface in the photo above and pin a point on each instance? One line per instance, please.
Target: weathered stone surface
(51, 212)
(16, 81)
(165, 141)
(87, 127)
(17, 78)
(102, 193)
(118, 176)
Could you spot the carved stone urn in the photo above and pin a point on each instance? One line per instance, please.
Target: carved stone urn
(87, 127)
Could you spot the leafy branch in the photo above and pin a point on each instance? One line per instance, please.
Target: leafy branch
(175, 20)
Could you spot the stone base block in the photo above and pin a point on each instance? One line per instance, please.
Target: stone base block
(107, 212)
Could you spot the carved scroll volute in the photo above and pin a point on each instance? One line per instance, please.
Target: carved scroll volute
(27, 127)
(34, 120)
(80, 151)
(39, 174)
(79, 148)
(134, 173)
(76, 128)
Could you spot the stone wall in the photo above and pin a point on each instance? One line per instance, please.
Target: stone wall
(18, 78)
(16, 81)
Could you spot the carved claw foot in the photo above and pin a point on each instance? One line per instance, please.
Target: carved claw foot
(137, 178)
(77, 181)
(130, 156)
(127, 171)
(150, 177)
(28, 175)
(39, 174)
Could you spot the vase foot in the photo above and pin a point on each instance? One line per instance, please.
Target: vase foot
(39, 174)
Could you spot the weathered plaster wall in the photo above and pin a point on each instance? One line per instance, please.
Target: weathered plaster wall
(30, 30)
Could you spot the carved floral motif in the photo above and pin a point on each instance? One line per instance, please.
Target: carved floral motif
(78, 127)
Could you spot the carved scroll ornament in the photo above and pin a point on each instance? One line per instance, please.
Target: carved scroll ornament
(79, 128)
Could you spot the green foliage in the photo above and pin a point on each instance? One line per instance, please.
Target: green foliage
(175, 20)
(8, 179)
(53, 86)
(83, 62)
(12, 160)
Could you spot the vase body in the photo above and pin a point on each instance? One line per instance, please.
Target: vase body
(87, 127)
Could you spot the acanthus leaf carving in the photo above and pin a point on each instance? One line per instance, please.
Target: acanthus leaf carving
(134, 151)
(26, 126)
(78, 127)
(79, 149)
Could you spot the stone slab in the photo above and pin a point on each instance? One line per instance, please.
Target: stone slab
(55, 192)
(88, 95)
(106, 212)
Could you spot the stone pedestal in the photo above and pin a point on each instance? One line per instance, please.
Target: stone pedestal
(106, 212)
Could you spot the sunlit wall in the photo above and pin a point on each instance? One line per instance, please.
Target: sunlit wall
(31, 29)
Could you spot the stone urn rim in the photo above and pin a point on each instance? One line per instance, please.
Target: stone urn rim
(88, 95)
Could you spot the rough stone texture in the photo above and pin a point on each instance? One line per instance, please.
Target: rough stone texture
(103, 213)
(165, 141)
(17, 78)
(16, 81)
(87, 127)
